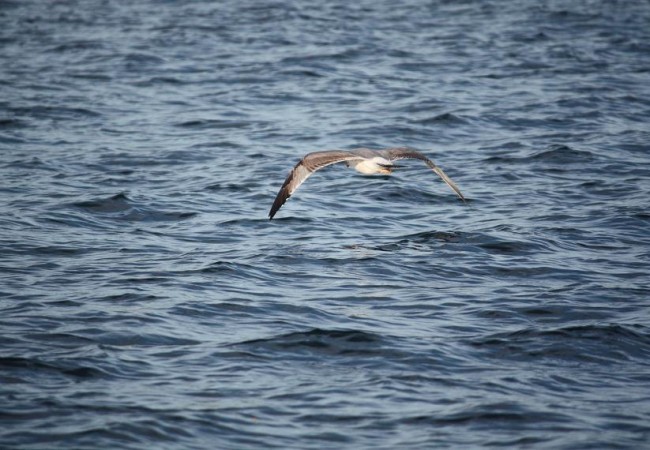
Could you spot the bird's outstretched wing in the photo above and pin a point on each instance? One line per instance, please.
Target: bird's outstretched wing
(309, 164)
(409, 153)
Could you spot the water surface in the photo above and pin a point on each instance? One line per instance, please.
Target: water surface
(147, 301)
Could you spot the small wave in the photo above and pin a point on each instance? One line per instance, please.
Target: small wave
(554, 154)
(302, 73)
(563, 154)
(202, 124)
(159, 80)
(129, 297)
(60, 338)
(136, 60)
(317, 340)
(419, 67)
(33, 366)
(442, 119)
(11, 140)
(484, 241)
(121, 207)
(55, 112)
(76, 45)
(218, 144)
(33, 163)
(91, 76)
(229, 187)
(121, 339)
(494, 414)
(238, 271)
(319, 58)
(116, 203)
(605, 344)
(428, 236)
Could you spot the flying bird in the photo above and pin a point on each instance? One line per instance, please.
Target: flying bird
(363, 160)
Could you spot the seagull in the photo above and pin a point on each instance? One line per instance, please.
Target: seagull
(363, 160)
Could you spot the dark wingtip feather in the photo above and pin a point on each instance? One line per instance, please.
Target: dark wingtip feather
(283, 195)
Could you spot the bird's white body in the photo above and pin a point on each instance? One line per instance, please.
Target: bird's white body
(371, 166)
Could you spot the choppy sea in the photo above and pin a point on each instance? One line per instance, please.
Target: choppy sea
(146, 301)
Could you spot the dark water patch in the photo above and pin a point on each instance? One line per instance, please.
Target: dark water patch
(321, 58)
(563, 154)
(53, 250)
(25, 369)
(418, 67)
(76, 46)
(300, 73)
(42, 112)
(531, 36)
(63, 339)
(142, 60)
(484, 242)
(319, 341)
(428, 238)
(205, 312)
(33, 163)
(229, 188)
(293, 219)
(121, 207)
(423, 193)
(219, 124)
(597, 344)
(110, 161)
(236, 227)
(445, 119)
(554, 154)
(153, 81)
(363, 134)
(130, 297)
(544, 309)
(79, 221)
(11, 140)
(239, 271)
(131, 427)
(140, 339)
(65, 304)
(497, 415)
(507, 270)
(116, 203)
(90, 76)
(11, 124)
(218, 144)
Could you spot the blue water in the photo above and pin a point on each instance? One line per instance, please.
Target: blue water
(146, 301)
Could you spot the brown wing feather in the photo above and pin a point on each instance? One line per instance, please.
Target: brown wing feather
(409, 153)
(309, 164)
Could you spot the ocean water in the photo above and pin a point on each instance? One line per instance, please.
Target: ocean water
(146, 301)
